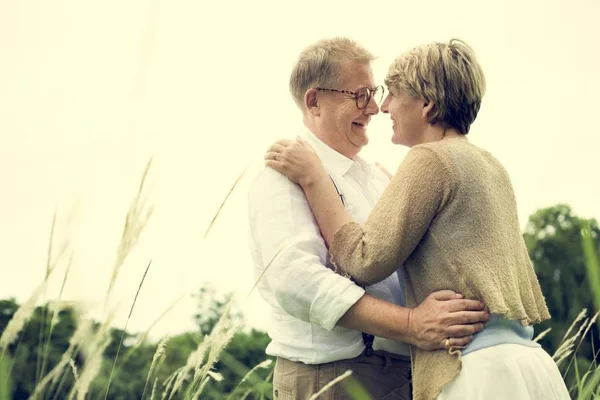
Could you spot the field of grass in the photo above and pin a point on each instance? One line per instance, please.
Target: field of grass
(190, 380)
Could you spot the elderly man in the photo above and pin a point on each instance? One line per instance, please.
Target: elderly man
(322, 323)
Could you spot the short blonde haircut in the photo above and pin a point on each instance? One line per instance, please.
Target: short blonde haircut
(447, 74)
(319, 65)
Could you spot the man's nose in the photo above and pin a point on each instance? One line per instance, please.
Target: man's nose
(372, 108)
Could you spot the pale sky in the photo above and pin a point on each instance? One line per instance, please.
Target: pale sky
(89, 91)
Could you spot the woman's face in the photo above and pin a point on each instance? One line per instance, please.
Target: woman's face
(409, 117)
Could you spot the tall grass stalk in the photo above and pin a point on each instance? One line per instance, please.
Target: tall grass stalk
(143, 337)
(54, 318)
(125, 329)
(217, 377)
(246, 393)
(83, 331)
(587, 324)
(18, 320)
(26, 310)
(6, 386)
(541, 335)
(51, 262)
(94, 355)
(160, 351)
(135, 221)
(153, 390)
(219, 338)
(198, 391)
(582, 314)
(566, 347)
(39, 358)
(586, 386)
(240, 176)
(74, 369)
(331, 384)
(194, 359)
(264, 364)
(355, 390)
(592, 263)
(89, 342)
(170, 382)
(591, 386)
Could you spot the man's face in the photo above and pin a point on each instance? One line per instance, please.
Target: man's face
(343, 124)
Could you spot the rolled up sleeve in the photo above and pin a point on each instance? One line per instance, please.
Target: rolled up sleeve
(290, 256)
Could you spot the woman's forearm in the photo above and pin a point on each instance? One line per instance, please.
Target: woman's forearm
(326, 206)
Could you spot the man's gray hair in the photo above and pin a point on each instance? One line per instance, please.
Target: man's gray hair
(318, 65)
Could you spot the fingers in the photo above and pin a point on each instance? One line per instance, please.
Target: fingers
(458, 331)
(284, 142)
(271, 155)
(457, 342)
(446, 295)
(465, 305)
(468, 317)
(276, 165)
(276, 147)
(306, 145)
(280, 147)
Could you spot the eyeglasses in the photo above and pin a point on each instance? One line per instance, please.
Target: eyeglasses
(362, 96)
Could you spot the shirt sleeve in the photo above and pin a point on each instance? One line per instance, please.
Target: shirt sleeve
(400, 219)
(292, 256)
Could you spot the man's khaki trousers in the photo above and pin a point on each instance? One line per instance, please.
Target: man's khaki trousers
(385, 376)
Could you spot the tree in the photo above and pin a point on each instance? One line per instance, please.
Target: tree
(27, 353)
(246, 350)
(553, 239)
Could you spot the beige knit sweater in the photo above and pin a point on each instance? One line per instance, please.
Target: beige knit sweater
(449, 216)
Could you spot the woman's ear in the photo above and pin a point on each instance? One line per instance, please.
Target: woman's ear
(311, 102)
(427, 108)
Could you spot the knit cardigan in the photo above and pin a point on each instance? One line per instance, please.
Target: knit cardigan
(449, 216)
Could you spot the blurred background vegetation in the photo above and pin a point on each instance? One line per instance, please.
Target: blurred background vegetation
(554, 239)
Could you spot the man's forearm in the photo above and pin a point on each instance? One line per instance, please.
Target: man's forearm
(378, 317)
(443, 319)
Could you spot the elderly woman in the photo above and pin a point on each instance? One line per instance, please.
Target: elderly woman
(448, 216)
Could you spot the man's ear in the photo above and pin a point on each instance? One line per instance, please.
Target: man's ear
(311, 102)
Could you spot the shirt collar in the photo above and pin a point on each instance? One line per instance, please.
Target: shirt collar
(337, 162)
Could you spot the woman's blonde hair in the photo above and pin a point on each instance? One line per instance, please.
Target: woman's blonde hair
(447, 74)
(318, 65)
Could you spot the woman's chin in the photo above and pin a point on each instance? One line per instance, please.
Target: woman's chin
(399, 141)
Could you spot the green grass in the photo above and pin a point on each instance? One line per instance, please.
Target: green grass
(191, 379)
(592, 264)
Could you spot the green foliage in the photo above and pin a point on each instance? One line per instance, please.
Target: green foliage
(564, 250)
(5, 379)
(246, 349)
(27, 349)
(553, 238)
(589, 237)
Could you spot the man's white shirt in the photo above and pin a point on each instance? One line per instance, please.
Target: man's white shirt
(307, 298)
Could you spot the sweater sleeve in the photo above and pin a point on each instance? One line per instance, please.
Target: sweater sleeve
(418, 191)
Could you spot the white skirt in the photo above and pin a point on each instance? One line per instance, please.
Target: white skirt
(507, 371)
